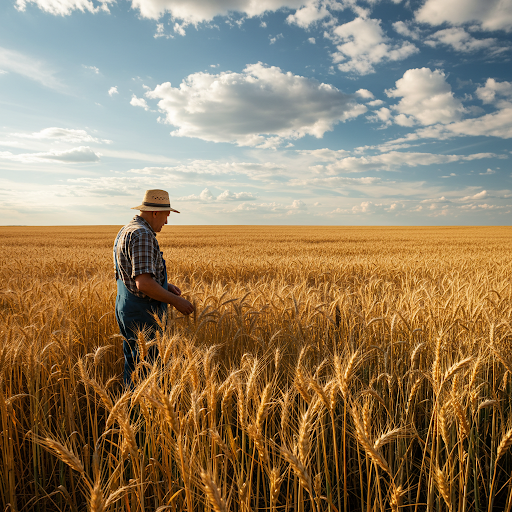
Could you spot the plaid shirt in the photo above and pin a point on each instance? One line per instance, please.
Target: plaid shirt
(138, 252)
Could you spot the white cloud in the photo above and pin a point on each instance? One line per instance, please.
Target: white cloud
(492, 88)
(312, 40)
(82, 154)
(404, 29)
(365, 207)
(383, 115)
(65, 7)
(102, 186)
(480, 195)
(462, 41)
(361, 44)
(274, 39)
(308, 15)
(62, 134)
(487, 173)
(269, 209)
(365, 93)
(139, 102)
(489, 14)
(259, 107)
(204, 196)
(389, 161)
(335, 182)
(94, 69)
(235, 196)
(370, 207)
(113, 90)
(206, 171)
(496, 124)
(297, 205)
(426, 97)
(207, 196)
(197, 11)
(179, 29)
(16, 62)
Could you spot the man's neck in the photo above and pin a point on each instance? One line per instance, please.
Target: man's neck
(147, 219)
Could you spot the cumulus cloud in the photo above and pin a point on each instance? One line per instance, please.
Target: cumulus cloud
(404, 29)
(369, 207)
(235, 196)
(269, 209)
(462, 41)
(274, 39)
(497, 124)
(365, 93)
(479, 195)
(65, 7)
(259, 107)
(487, 173)
(204, 196)
(488, 14)
(207, 196)
(113, 90)
(365, 207)
(197, 11)
(426, 98)
(139, 102)
(308, 15)
(494, 91)
(62, 134)
(384, 115)
(16, 62)
(297, 205)
(82, 154)
(361, 44)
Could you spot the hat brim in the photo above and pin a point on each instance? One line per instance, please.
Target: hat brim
(143, 208)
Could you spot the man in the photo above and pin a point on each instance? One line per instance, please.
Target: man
(141, 274)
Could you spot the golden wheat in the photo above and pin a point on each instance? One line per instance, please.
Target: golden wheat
(324, 369)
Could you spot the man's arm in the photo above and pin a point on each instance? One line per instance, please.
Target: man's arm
(147, 285)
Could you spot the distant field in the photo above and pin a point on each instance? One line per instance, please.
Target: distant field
(326, 369)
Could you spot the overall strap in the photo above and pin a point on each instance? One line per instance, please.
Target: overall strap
(118, 274)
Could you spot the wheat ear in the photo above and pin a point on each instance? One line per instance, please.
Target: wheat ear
(213, 492)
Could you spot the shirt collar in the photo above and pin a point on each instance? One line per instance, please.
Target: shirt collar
(144, 222)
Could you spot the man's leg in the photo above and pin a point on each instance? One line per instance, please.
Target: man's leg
(131, 322)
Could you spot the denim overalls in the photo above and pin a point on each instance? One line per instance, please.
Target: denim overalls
(134, 314)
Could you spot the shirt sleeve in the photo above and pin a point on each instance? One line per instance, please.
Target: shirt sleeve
(143, 249)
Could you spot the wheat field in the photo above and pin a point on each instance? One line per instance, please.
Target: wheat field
(325, 369)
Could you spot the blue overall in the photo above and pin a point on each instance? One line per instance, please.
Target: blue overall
(134, 314)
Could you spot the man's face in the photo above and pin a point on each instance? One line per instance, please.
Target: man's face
(160, 220)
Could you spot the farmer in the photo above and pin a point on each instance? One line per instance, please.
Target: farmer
(141, 275)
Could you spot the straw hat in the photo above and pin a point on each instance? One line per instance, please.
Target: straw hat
(155, 201)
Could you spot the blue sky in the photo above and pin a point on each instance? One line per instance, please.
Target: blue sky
(350, 112)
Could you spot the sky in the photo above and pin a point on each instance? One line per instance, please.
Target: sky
(299, 112)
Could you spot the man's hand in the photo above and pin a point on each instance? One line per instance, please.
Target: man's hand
(183, 305)
(173, 289)
(147, 285)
